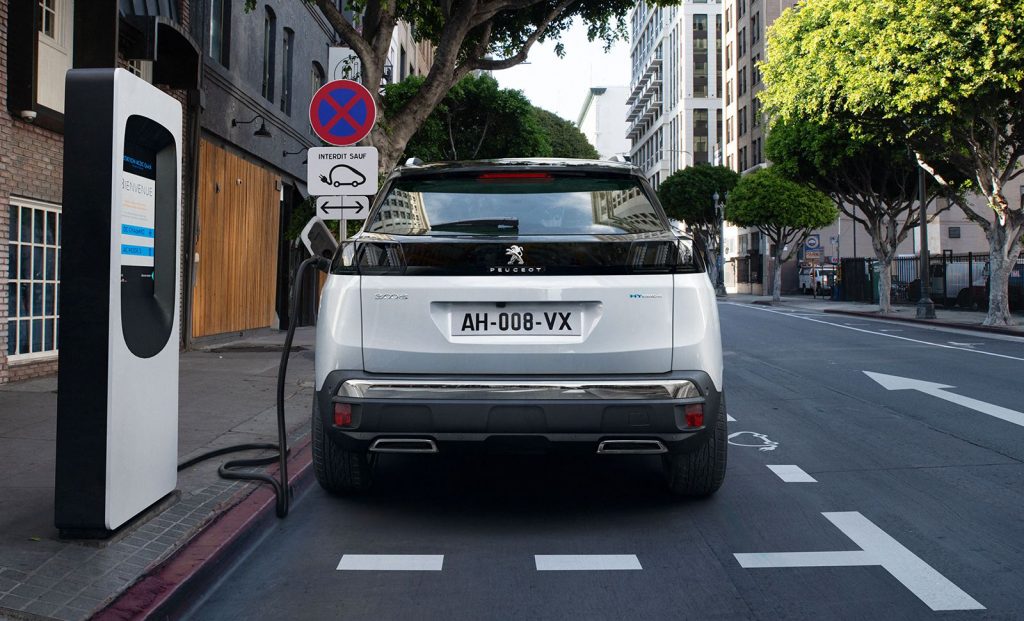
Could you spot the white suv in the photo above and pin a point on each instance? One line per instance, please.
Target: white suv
(520, 304)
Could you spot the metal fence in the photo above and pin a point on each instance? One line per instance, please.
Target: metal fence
(954, 280)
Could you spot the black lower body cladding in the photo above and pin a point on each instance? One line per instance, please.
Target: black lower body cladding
(575, 424)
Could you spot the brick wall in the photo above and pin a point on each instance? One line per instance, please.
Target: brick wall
(30, 166)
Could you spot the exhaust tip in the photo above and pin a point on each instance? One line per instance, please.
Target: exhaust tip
(403, 445)
(631, 447)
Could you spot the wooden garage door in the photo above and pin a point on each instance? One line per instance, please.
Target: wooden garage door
(236, 275)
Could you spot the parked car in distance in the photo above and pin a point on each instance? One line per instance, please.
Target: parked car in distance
(818, 279)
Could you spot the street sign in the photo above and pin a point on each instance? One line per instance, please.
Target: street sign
(813, 243)
(342, 112)
(342, 171)
(343, 64)
(342, 207)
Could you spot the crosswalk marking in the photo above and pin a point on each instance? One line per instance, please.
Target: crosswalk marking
(792, 474)
(391, 562)
(586, 562)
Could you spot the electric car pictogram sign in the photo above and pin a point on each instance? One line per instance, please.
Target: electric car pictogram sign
(342, 171)
(342, 112)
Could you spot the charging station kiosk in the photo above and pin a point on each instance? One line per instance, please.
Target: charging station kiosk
(117, 398)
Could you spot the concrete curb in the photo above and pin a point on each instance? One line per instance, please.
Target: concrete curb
(168, 590)
(928, 322)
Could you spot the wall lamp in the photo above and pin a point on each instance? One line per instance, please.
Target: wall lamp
(287, 153)
(261, 132)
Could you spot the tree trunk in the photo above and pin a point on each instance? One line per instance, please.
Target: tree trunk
(777, 278)
(1004, 249)
(884, 284)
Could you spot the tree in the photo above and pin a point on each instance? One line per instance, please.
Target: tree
(948, 77)
(468, 35)
(783, 210)
(476, 120)
(687, 195)
(871, 178)
(565, 138)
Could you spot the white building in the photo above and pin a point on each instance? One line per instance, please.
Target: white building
(602, 120)
(675, 105)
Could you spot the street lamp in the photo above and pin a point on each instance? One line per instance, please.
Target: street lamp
(720, 212)
(925, 306)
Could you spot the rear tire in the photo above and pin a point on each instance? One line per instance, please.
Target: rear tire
(338, 471)
(699, 473)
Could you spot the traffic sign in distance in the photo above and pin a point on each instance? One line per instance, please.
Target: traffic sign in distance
(342, 112)
(813, 242)
(342, 207)
(342, 171)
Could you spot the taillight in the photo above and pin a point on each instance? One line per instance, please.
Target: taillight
(342, 415)
(694, 414)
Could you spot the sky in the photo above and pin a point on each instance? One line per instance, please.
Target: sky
(561, 84)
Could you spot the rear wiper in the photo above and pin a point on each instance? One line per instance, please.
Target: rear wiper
(488, 224)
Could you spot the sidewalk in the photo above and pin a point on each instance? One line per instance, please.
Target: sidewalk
(944, 317)
(227, 396)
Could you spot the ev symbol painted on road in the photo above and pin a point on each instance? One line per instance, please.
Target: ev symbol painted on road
(342, 112)
(753, 439)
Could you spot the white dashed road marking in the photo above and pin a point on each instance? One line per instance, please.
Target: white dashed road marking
(877, 548)
(729, 418)
(792, 474)
(391, 562)
(586, 562)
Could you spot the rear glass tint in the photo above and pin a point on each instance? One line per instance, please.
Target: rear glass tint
(516, 203)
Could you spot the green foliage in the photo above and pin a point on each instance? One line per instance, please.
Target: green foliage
(476, 120)
(687, 193)
(767, 200)
(565, 138)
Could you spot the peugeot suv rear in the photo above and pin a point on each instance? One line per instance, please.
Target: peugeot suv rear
(521, 304)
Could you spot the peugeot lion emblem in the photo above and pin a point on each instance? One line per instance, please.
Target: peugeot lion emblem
(516, 254)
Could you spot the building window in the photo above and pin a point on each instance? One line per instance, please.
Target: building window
(33, 279)
(718, 56)
(728, 19)
(755, 28)
(402, 63)
(316, 80)
(269, 52)
(741, 8)
(718, 136)
(700, 55)
(741, 121)
(220, 31)
(755, 73)
(741, 43)
(741, 81)
(700, 136)
(954, 232)
(286, 70)
(755, 112)
(48, 18)
(54, 51)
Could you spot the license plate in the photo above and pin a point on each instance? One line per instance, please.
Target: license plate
(518, 320)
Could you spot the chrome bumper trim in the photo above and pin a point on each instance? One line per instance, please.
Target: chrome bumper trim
(512, 390)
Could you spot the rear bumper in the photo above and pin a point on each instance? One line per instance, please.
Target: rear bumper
(518, 413)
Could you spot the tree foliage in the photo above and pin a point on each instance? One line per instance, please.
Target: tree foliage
(873, 179)
(477, 119)
(783, 210)
(565, 138)
(687, 195)
(948, 77)
(467, 35)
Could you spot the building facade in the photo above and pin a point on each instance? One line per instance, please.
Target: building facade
(42, 39)
(675, 106)
(245, 80)
(602, 119)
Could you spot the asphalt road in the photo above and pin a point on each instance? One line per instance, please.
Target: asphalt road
(914, 512)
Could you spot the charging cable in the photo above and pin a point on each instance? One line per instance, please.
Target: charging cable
(231, 469)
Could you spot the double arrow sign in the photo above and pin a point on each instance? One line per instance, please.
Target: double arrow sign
(342, 207)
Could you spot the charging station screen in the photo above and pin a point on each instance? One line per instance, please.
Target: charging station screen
(138, 206)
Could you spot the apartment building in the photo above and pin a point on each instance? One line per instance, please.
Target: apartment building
(602, 119)
(675, 106)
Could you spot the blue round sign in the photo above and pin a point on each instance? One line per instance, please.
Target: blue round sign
(342, 112)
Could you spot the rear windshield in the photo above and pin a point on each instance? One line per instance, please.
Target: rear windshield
(516, 203)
